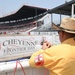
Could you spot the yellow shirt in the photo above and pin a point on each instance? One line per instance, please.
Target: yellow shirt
(59, 59)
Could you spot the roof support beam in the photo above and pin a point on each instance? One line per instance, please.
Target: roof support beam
(72, 11)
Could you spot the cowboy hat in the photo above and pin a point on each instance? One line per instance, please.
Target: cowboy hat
(67, 25)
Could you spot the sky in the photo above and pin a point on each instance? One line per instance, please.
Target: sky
(11, 6)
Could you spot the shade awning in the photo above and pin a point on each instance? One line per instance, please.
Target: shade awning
(24, 12)
(64, 9)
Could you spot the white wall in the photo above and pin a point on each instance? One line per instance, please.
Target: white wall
(8, 69)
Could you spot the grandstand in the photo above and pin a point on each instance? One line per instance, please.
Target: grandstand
(29, 18)
(23, 20)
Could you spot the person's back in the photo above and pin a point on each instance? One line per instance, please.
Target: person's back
(59, 59)
(62, 59)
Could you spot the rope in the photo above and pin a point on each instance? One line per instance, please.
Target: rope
(17, 62)
(45, 72)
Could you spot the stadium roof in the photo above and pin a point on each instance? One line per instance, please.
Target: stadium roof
(64, 9)
(30, 11)
(24, 12)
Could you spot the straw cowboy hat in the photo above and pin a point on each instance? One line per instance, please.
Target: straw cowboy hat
(67, 25)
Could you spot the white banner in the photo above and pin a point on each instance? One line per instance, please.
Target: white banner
(20, 46)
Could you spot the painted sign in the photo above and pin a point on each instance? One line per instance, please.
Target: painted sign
(12, 47)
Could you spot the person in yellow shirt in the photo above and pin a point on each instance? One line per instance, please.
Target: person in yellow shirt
(58, 59)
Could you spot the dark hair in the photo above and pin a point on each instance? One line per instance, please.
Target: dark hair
(70, 34)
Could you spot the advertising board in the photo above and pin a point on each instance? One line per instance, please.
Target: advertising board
(18, 46)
